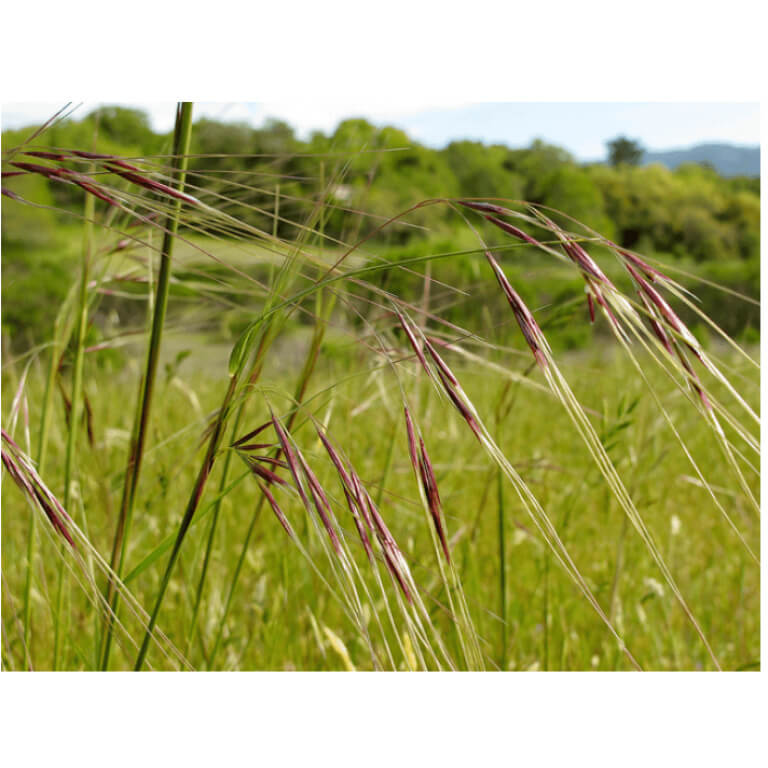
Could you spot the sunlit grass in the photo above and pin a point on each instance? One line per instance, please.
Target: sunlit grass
(550, 624)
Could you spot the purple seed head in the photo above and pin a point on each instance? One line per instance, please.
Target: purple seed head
(600, 299)
(666, 311)
(651, 273)
(112, 160)
(354, 502)
(335, 457)
(442, 367)
(45, 155)
(26, 478)
(412, 339)
(322, 505)
(479, 205)
(585, 261)
(43, 170)
(253, 434)
(411, 439)
(154, 186)
(291, 458)
(460, 405)
(528, 325)
(518, 233)
(278, 512)
(660, 333)
(96, 193)
(433, 496)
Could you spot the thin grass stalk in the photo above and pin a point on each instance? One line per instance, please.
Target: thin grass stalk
(387, 465)
(192, 504)
(233, 584)
(501, 413)
(547, 560)
(323, 314)
(502, 571)
(301, 388)
(77, 389)
(181, 143)
(212, 528)
(222, 484)
(42, 446)
(238, 363)
(618, 568)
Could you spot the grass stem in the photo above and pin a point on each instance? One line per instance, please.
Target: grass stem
(181, 143)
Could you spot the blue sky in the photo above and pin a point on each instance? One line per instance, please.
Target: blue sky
(581, 127)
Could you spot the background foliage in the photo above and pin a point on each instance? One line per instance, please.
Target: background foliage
(691, 217)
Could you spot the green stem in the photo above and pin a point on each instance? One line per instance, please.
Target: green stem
(546, 610)
(617, 570)
(42, 445)
(301, 388)
(235, 579)
(212, 529)
(192, 504)
(267, 336)
(387, 465)
(74, 416)
(502, 573)
(181, 143)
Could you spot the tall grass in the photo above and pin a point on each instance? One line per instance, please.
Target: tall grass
(181, 140)
(347, 539)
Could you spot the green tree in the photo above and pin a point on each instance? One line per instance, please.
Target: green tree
(624, 151)
(127, 127)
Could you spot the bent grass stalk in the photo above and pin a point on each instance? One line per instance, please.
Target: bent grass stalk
(61, 334)
(268, 325)
(301, 387)
(678, 333)
(447, 384)
(321, 320)
(43, 501)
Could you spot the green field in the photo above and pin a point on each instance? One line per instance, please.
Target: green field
(281, 606)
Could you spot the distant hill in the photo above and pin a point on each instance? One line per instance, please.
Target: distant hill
(726, 159)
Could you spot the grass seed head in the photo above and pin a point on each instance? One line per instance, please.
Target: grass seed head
(514, 231)
(666, 311)
(321, 503)
(152, 185)
(291, 458)
(652, 274)
(278, 512)
(413, 340)
(660, 333)
(433, 496)
(528, 325)
(483, 207)
(24, 474)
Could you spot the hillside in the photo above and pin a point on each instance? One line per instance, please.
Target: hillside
(726, 159)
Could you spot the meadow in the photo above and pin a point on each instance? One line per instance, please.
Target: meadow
(289, 444)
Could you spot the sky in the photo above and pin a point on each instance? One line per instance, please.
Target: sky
(582, 128)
